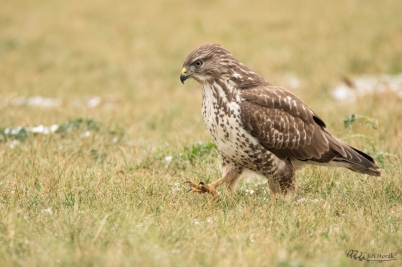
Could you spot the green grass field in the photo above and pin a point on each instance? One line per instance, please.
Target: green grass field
(106, 188)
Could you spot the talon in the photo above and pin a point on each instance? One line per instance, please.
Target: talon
(191, 184)
(202, 188)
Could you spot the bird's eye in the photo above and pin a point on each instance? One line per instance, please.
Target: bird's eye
(198, 63)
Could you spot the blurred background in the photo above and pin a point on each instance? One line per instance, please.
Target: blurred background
(119, 61)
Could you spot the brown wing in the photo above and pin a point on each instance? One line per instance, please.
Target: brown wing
(286, 126)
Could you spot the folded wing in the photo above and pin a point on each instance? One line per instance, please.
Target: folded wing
(287, 127)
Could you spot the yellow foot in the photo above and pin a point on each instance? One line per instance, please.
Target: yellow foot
(202, 188)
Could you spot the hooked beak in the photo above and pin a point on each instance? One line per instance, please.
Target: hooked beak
(184, 75)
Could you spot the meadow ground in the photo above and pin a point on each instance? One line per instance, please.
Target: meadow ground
(105, 188)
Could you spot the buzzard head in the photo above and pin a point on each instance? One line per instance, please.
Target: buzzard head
(211, 62)
(206, 63)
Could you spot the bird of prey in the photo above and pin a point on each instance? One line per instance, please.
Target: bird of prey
(261, 127)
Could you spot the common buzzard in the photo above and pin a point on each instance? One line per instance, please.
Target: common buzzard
(261, 127)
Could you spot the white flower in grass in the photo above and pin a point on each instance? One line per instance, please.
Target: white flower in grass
(93, 101)
(252, 238)
(43, 129)
(196, 222)
(250, 191)
(85, 134)
(12, 144)
(39, 101)
(301, 200)
(48, 211)
(54, 127)
(176, 187)
(36, 101)
(37, 129)
(12, 131)
(168, 159)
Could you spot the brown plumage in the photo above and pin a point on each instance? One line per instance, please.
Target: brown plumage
(261, 127)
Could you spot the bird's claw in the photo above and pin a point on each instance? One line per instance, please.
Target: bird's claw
(202, 188)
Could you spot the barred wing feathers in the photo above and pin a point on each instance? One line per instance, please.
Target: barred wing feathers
(287, 127)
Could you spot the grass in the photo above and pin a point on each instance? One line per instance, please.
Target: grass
(106, 188)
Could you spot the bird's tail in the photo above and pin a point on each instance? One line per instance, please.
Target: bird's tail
(343, 155)
(357, 161)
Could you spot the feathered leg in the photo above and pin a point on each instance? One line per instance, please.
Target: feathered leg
(281, 180)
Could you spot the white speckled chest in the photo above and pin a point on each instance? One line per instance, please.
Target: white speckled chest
(222, 118)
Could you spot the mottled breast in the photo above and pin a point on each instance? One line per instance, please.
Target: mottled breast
(221, 113)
